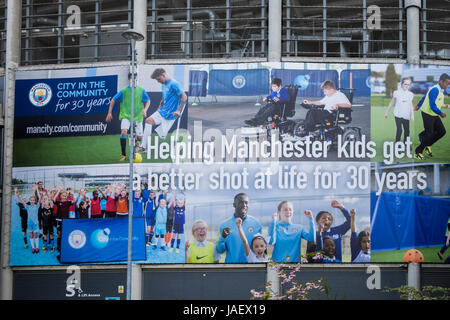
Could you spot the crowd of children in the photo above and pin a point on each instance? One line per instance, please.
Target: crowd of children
(165, 217)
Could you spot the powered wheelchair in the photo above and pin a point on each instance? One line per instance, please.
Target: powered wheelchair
(329, 129)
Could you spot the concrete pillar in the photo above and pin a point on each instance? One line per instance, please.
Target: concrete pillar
(140, 25)
(13, 25)
(414, 275)
(136, 286)
(275, 34)
(413, 30)
(274, 279)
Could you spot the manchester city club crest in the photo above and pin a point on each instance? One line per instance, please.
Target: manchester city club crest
(40, 94)
(239, 81)
(77, 239)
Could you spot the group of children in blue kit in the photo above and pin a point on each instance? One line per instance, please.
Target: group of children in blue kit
(324, 243)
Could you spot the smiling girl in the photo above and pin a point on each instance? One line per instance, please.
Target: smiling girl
(286, 236)
(255, 252)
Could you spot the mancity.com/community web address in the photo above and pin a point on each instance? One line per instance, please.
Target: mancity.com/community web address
(49, 129)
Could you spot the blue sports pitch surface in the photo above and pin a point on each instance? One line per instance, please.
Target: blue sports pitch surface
(19, 256)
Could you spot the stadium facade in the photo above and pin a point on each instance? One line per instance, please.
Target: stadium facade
(49, 37)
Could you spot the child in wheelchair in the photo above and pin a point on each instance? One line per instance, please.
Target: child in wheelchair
(277, 97)
(321, 111)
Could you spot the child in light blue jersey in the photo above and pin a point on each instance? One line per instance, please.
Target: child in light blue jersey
(32, 209)
(160, 224)
(286, 236)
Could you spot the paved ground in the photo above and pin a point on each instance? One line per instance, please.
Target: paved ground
(230, 113)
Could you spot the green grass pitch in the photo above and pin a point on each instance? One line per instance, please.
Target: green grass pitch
(63, 151)
(384, 130)
(429, 255)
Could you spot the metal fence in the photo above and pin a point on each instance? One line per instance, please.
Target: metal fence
(356, 29)
(61, 31)
(193, 31)
(435, 29)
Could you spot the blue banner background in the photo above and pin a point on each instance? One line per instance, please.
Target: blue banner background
(405, 221)
(99, 91)
(361, 81)
(239, 82)
(99, 245)
(198, 83)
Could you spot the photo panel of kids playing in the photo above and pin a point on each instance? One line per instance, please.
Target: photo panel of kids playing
(314, 212)
(282, 212)
(80, 214)
(304, 103)
(409, 106)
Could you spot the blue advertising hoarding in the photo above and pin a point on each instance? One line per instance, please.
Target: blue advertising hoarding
(64, 106)
(308, 80)
(356, 79)
(238, 82)
(404, 221)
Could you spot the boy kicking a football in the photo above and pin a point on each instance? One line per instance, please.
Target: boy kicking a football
(141, 105)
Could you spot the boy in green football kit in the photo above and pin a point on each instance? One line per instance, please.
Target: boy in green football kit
(141, 105)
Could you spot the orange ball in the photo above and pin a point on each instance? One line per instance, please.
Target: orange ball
(413, 255)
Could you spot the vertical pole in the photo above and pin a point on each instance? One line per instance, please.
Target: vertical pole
(365, 36)
(400, 28)
(414, 275)
(263, 27)
(275, 33)
(97, 31)
(424, 27)
(130, 181)
(413, 30)
(227, 27)
(154, 17)
(324, 28)
(60, 33)
(274, 279)
(13, 26)
(140, 25)
(189, 34)
(288, 27)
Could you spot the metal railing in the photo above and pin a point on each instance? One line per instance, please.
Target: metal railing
(61, 31)
(341, 29)
(435, 30)
(207, 32)
(55, 32)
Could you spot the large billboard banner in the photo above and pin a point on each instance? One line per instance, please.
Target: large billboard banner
(235, 163)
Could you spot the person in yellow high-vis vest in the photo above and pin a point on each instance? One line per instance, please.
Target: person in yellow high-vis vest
(430, 105)
(201, 250)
